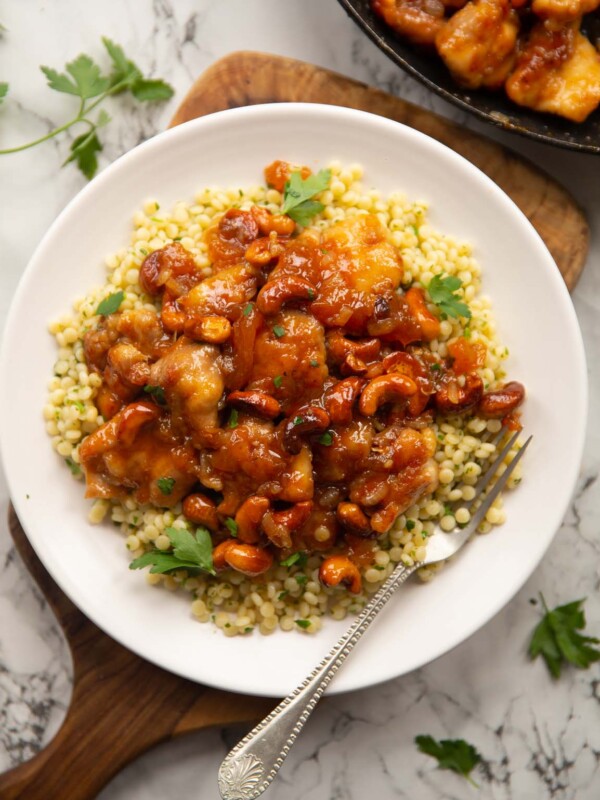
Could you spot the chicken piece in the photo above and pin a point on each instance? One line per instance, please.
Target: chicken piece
(250, 460)
(138, 327)
(192, 381)
(135, 454)
(359, 268)
(223, 294)
(228, 239)
(558, 71)
(291, 348)
(478, 44)
(170, 269)
(563, 10)
(419, 21)
(345, 456)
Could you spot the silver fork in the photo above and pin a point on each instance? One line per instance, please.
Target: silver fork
(253, 763)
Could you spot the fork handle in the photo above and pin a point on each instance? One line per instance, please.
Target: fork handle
(253, 763)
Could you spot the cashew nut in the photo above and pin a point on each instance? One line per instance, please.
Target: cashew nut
(244, 558)
(340, 399)
(353, 518)
(428, 323)
(279, 525)
(264, 250)
(248, 518)
(452, 398)
(288, 288)
(259, 403)
(385, 389)
(210, 328)
(339, 569)
(201, 510)
(268, 223)
(339, 348)
(500, 402)
(310, 419)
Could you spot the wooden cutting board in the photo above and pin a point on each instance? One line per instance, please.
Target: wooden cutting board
(122, 705)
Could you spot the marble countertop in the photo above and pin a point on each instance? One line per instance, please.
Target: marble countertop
(540, 739)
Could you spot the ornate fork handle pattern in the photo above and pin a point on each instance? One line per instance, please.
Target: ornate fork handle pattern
(253, 763)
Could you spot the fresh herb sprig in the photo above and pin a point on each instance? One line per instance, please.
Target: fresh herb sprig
(83, 78)
(298, 193)
(454, 754)
(557, 640)
(443, 292)
(189, 552)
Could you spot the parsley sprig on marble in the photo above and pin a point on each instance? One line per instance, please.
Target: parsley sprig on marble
(189, 552)
(83, 78)
(558, 641)
(298, 193)
(454, 754)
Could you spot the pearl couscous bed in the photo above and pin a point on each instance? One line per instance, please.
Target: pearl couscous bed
(287, 597)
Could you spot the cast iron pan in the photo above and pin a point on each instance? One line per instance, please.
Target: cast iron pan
(492, 107)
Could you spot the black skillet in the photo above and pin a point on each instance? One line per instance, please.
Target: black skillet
(492, 107)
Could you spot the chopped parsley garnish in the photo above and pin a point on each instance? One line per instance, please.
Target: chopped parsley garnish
(111, 303)
(302, 623)
(313, 362)
(189, 552)
(301, 579)
(435, 367)
(467, 333)
(297, 194)
(296, 558)
(410, 524)
(78, 405)
(233, 418)
(278, 380)
(415, 230)
(73, 466)
(283, 594)
(279, 331)
(455, 754)
(157, 392)
(249, 629)
(298, 420)
(231, 526)
(247, 310)
(166, 485)
(557, 640)
(326, 438)
(442, 291)
(311, 294)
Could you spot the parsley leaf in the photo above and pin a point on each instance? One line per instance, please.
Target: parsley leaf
(3, 91)
(313, 362)
(189, 552)
(247, 310)
(157, 392)
(84, 79)
(410, 524)
(557, 641)
(279, 331)
(297, 202)
(233, 419)
(111, 303)
(128, 74)
(302, 623)
(296, 558)
(231, 526)
(83, 151)
(277, 381)
(326, 438)
(442, 291)
(73, 466)
(454, 754)
(166, 485)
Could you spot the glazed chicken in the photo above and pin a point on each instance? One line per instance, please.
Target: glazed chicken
(532, 48)
(557, 71)
(290, 390)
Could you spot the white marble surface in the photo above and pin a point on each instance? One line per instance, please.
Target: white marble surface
(539, 739)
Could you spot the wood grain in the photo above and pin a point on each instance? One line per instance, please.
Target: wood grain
(247, 78)
(121, 705)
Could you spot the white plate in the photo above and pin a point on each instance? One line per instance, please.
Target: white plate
(535, 319)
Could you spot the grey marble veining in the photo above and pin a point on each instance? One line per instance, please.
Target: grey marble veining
(539, 739)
